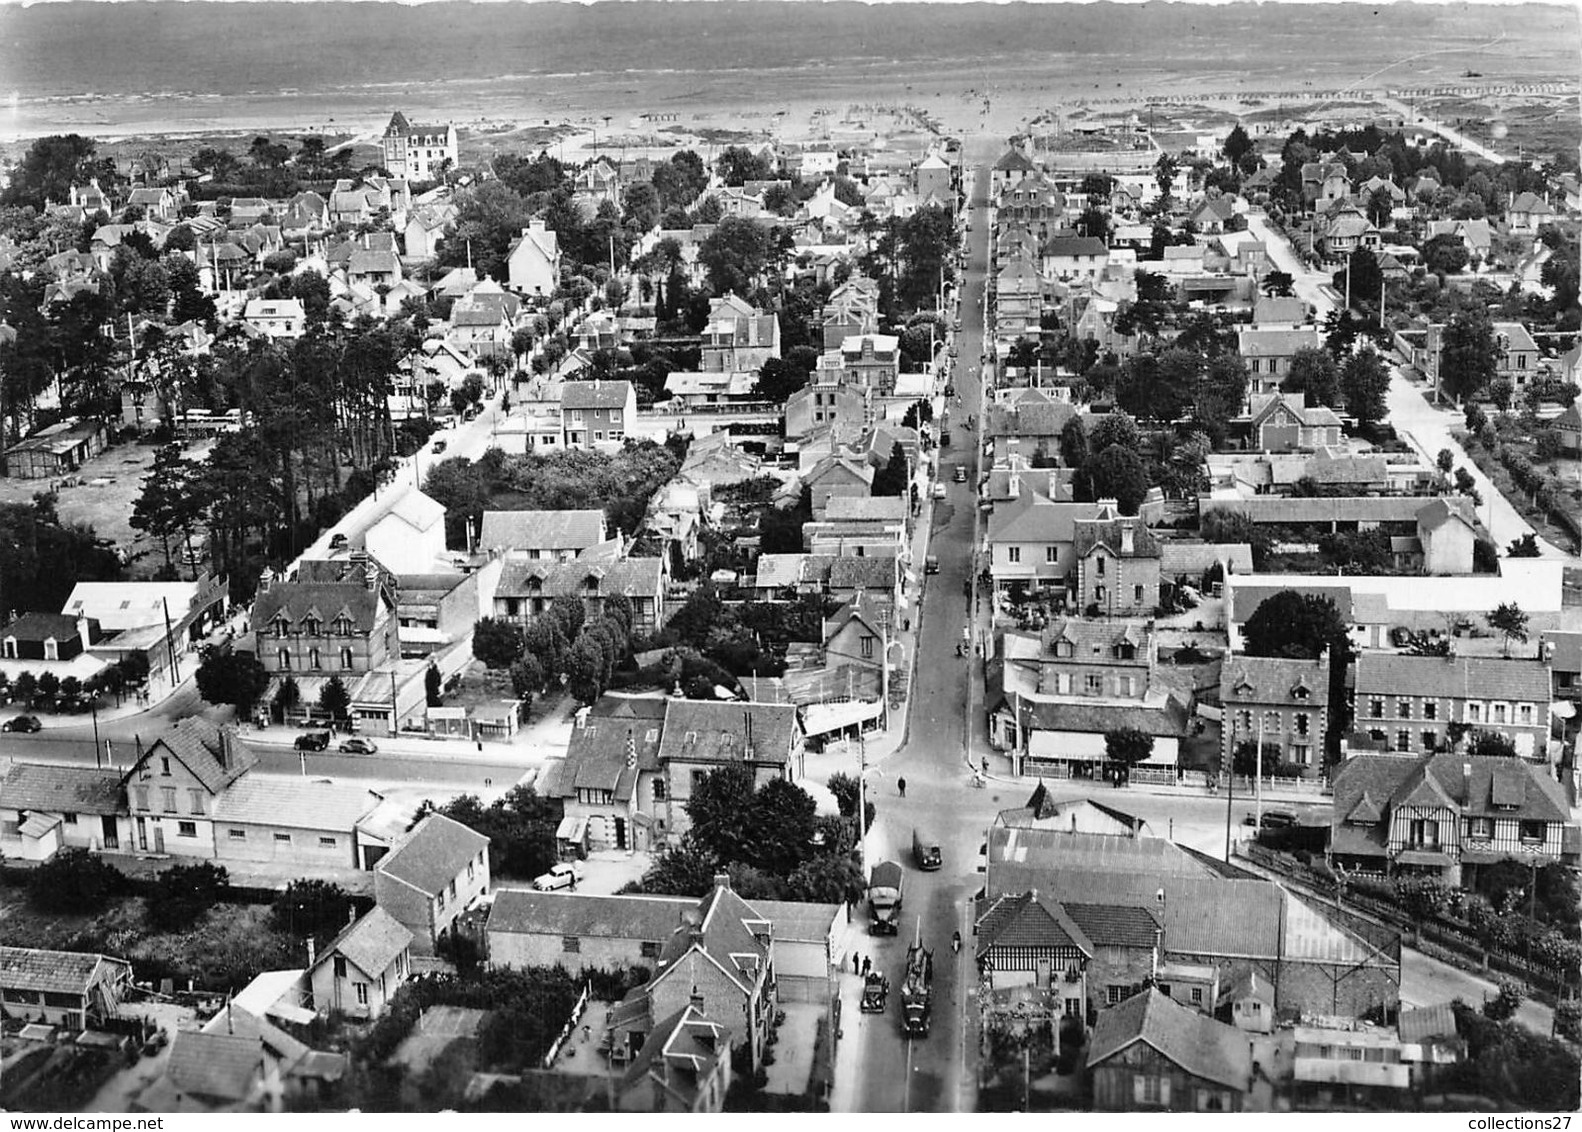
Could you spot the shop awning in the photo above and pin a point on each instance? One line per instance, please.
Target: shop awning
(821, 719)
(570, 829)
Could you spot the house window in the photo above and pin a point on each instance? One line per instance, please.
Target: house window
(1403, 740)
(1114, 993)
(1197, 996)
(1376, 708)
(1137, 595)
(1474, 713)
(598, 435)
(282, 839)
(168, 799)
(648, 949)
(1100, 565)
(346, 658)
(1499, 713)
(867, 648)
(570, 944)
(1301, 754)
(340, 966)
(1524, 714)
(284, 659)
(1051, 555)
(471, 869)
(326, 843)
(1303, 722)
(1271, 722)
(1403, 708)
(69, 819)
(1480, 829)
(1430, 709)
(195, 801)
(659, 789)
(142, 796)
(1099, 593)
(313, 659)
(186, 829)
(453, 890)
(164, 767)
(1014, 554)
(362, 993)
(1533, 832)
(1430, 740)
(236, 834)
(311, 627)
(1093, 684)
(697, 781)
(1423, 833)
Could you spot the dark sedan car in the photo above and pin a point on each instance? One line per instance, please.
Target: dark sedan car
(313, 741)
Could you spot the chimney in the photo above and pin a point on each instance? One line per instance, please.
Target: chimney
(534, 225)
(1466, 782)
(264, 580)
(313, 951)
(351, 914)
(697, 998)
(631, 749)
(722, 880)
(1053, 490)
(227, 751)
(83, 636)
(1128, 538)
(371, 574)
(1015, 484)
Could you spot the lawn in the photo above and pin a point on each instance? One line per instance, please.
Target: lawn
(1542, 522)
(229, 945)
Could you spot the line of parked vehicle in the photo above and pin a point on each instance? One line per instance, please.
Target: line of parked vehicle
(320, 741)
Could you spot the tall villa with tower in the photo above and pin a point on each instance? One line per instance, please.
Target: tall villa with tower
(417, 153)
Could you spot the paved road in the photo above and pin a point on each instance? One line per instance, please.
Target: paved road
(460, 775)
(1418, 421)
(932, 1074)
(1414, 118)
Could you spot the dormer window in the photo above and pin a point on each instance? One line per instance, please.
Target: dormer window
(282, 627)
(343, 627)
(312, 626)
(1300, 692)
(1125, 651)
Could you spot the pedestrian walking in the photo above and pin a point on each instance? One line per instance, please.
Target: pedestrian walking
(867, 965)
(900, 784)
(856, 963)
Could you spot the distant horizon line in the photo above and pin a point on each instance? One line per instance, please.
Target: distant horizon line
(864, 3)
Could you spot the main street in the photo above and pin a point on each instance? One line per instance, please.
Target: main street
(930, 1074)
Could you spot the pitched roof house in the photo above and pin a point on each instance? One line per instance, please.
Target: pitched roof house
(1444, 814)
(1152, 1054)
(431, 877)
(560, 535)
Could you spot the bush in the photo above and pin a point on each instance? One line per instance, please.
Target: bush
(75, 882)
(1505, 1003)
(1568, 1020)
(183, 893)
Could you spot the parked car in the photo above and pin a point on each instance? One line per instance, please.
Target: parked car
(357, 745)
(313, 741)
(1272, 819)
(25, 724)
(960, 474)
(439, 446)
(931, 564)
(939, 491)
(337, 541)
(563, 875)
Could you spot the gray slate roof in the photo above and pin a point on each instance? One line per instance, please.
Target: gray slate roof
(1453, 677)
(433, 853)
(1197, 1043)
(63, 789)
(711, 731)
(542, 530)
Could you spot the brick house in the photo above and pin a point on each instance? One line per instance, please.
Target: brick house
(1411, 703)
(327, 628)
(597, 414)
(1283, 703)
(1096, 659)
(1117, 565)
(1281, 423)
(610, 783)
(700, 736)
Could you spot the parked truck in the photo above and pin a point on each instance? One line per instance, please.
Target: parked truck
(917, 989)
(884, 899)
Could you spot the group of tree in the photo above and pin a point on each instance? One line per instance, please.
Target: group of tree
(768, 838)
(618, 483)
(746, 638)
(52, 692)
(1302, 626)
(42, 557)
(1109, 463)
